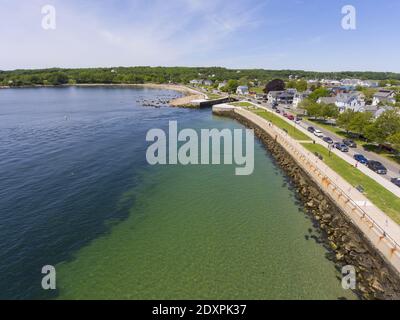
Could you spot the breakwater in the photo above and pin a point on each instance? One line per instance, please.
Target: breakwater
(377, 278)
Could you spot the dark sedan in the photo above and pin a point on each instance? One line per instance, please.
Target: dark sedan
(360, 158)
(396, 181)
(377, 167)
(328, 140)
(341, 146)
(350, 143)
(311, 129)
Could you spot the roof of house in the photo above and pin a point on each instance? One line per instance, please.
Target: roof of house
(275, 93)
(243, 88)
(383, 94)
(327, 100)
(370, 108)
(304, 94)
(286, 94)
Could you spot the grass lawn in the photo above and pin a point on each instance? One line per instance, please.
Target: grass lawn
(244, 104)
(291, 130)
(382, 198)
(213, 96)
(258, 90)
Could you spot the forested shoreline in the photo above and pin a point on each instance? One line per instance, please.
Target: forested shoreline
(140, 75)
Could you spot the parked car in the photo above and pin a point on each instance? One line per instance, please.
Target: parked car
(290, 117)
(396, 181)
(350, 143)
(311, 129)
(318, 133)
(328, 140)
(275, 105)
(278, 111)
(341, 146)
(360, 158)
(377, 167)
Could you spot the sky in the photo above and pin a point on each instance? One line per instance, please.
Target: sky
(268, 34)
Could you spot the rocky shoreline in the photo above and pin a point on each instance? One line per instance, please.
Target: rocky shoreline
(344, 242)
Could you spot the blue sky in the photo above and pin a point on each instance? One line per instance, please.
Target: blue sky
(270, 34)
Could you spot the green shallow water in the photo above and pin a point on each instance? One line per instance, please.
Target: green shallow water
(200, 232)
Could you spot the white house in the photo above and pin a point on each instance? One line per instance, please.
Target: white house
(196, 82)
(361, 83)
(351, 82)
(207, 82)
(327, 100)
(331, 83)
(272, 96)
(354, 101)
(377, 111)
(299, 97)
(222, 84)
(385, 96)
(242, 90)
(287, 96)
(369, 84)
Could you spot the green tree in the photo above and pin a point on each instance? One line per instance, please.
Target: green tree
(291, 84)
(312, 108)
(329, 111)
(360, 121)
(275, 85)
(385, 127)
(301, 85)
(394, 139)
(231, 86)
(345, 118)
(58, 78)
(319, 93)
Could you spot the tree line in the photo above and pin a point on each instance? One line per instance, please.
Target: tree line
(138, 75)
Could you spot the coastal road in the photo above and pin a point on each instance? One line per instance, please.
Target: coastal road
(383, 180)
(393, 168)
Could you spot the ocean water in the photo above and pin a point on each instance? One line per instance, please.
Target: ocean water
(76, 192)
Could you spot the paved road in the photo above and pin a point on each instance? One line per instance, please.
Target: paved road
(393, 168)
